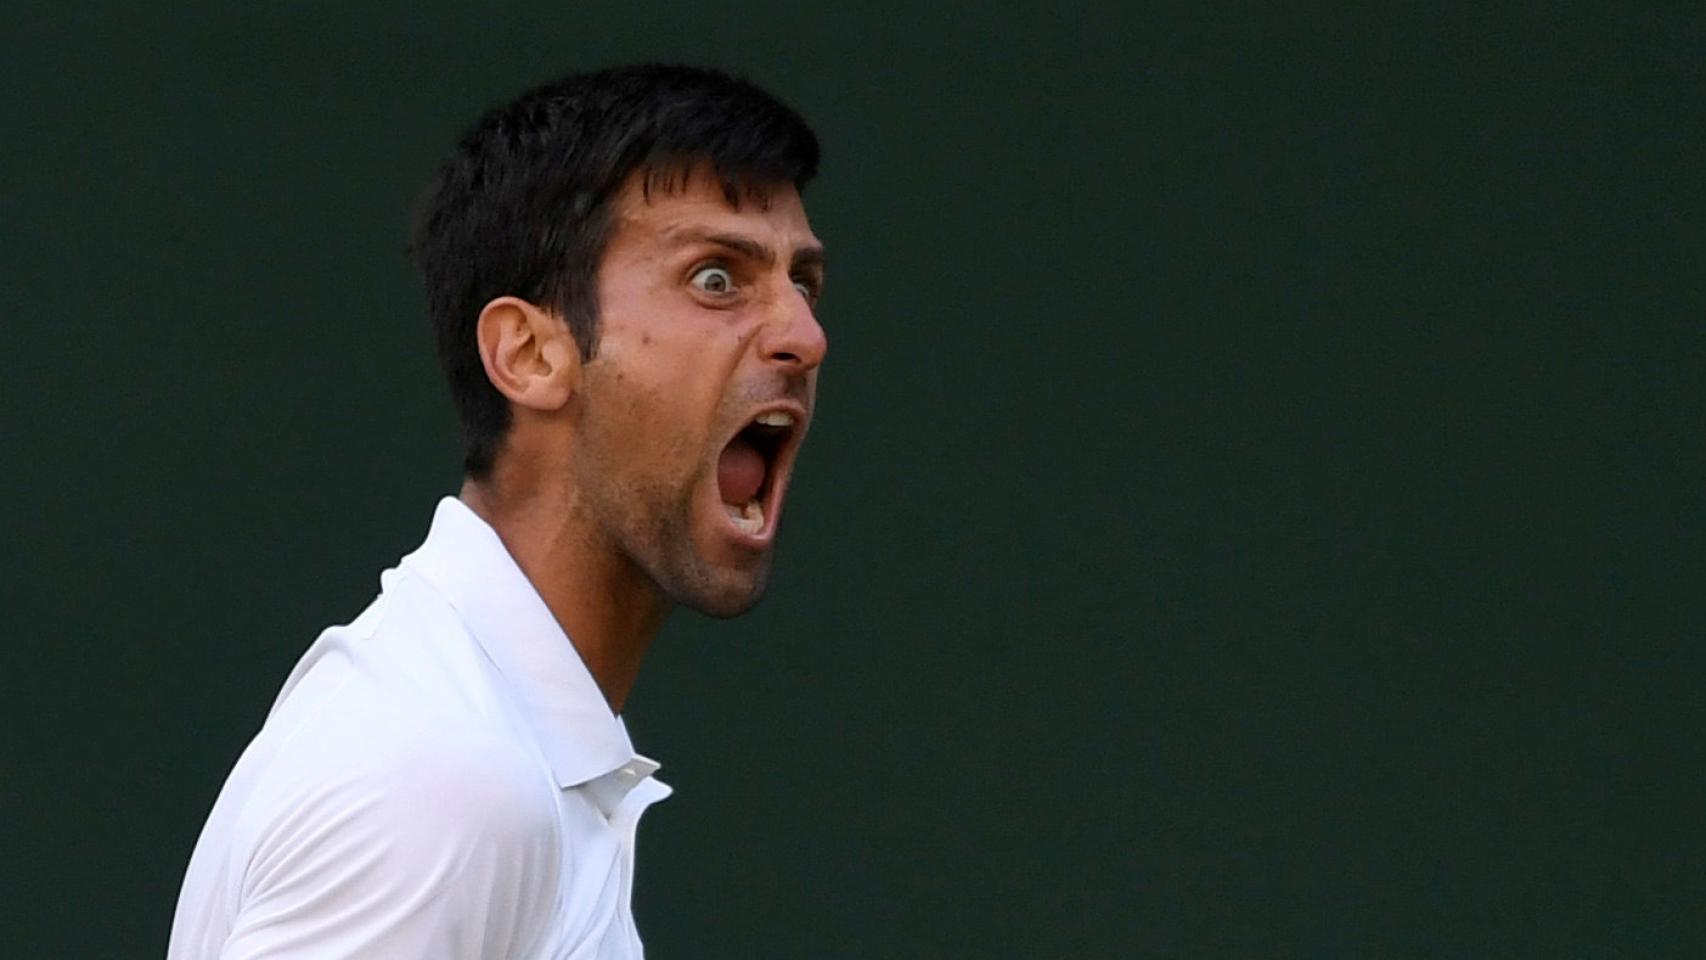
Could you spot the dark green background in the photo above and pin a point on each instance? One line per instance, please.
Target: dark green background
(1254, 507)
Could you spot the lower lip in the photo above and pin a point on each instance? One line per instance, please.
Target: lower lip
(751, 542)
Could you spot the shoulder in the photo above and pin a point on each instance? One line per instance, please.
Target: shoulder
(409, 779)
(396, 719)
(401, 715)
(454, 780)
(409, 835)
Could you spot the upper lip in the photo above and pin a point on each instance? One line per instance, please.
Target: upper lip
(795, 430)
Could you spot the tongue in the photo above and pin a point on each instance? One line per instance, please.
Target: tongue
(740, 472)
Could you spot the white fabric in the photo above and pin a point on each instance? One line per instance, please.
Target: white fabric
(439, 779)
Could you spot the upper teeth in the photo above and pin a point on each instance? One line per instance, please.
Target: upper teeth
(776, 418)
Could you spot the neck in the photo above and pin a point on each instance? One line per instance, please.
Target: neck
(609, 608)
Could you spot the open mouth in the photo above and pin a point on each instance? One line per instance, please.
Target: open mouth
(747, 470)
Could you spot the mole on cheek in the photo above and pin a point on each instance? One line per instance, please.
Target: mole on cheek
(645, 339)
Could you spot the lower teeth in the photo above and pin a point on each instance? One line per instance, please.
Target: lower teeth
(748, 518)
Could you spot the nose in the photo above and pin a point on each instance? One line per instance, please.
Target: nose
(792, 337)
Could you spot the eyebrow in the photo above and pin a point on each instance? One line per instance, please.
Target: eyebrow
(812, 256)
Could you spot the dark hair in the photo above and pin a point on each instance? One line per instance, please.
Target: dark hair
(522, 207)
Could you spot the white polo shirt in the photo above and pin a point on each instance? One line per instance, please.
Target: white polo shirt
(440, 779)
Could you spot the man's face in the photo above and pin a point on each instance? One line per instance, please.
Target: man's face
(689, 416)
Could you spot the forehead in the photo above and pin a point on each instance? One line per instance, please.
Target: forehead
(670, 211)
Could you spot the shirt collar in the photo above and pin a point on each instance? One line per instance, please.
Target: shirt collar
(465, 561)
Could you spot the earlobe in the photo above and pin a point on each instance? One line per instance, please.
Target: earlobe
(528, 353)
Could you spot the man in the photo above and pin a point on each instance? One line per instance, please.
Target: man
(622, 282)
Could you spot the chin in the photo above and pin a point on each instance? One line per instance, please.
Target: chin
(726, 595)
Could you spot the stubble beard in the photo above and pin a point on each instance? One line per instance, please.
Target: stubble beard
(670, 556)
(651, 524)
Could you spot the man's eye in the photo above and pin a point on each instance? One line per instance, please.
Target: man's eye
(713, 280)
(807, 290)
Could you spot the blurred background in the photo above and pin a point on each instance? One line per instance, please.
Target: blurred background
(1254, 507)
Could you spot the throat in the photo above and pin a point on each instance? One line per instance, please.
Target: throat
(609, 608)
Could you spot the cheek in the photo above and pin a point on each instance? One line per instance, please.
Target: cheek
(640, 431)
(657, 393)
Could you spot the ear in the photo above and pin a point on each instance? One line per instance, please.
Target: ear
(528, 353)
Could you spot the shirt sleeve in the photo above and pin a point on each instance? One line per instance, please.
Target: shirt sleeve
(443, 849)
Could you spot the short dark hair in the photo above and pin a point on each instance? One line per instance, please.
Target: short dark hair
(522, 207)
